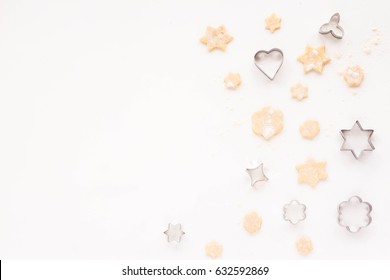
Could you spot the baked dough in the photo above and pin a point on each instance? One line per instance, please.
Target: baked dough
(354, 76)
(299, 91)
(272, 23)
(232, 80)
(309, 129)
(311, 172)
(213, 249)
(267, 122)
(216, 38)
(314, 59)
(304, 245)
(252, 222)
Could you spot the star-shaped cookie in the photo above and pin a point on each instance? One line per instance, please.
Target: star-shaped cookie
(272, 23)
(216, 38)
(311, 172)
(314, 58)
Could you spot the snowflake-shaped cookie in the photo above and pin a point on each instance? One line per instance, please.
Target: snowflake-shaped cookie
(311, 172)
(314, 58)
(272, 23)
(216, 38)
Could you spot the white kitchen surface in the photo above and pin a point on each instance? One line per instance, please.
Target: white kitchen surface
(115, 121)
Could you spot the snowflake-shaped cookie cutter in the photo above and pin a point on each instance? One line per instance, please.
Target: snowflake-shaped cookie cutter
(294, 212)
(348, 214)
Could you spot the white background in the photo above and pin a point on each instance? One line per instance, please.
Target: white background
(115, 121)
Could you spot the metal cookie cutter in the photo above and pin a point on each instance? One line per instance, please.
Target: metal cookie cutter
(257, 174)
(333, 27)
(294, 212)
(354, 214)
(358, 130)
(174, 232)
(265, 65)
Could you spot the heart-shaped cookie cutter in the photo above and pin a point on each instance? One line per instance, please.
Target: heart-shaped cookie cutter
(262, 54)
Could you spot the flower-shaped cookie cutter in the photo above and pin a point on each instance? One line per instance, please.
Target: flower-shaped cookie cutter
(294, 212)
(174, 232)
(354, 214)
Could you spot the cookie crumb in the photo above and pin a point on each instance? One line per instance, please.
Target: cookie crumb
(213, 249)
(252, 222)
(267, 122)
(354, 76)
(299, 91)
(373, 42)
(232, 80)
(367, 50)
(237, 122)
(304, 246)
(309, 129)
(377, 40)
(338, 55)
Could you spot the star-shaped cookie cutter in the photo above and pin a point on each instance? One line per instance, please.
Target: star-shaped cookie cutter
(257, 174)
(333, 27)
(345, 131)
(174, 232)
(352, 205)
(294, 212)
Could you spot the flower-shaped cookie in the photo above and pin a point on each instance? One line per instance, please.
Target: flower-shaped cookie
(299, 91)
(267, 122)
(232, 80)
(354, 76)
(213, 249)
(252, 222)
(310, 129)
(304, 246)
(354, 214)
(294, 212)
